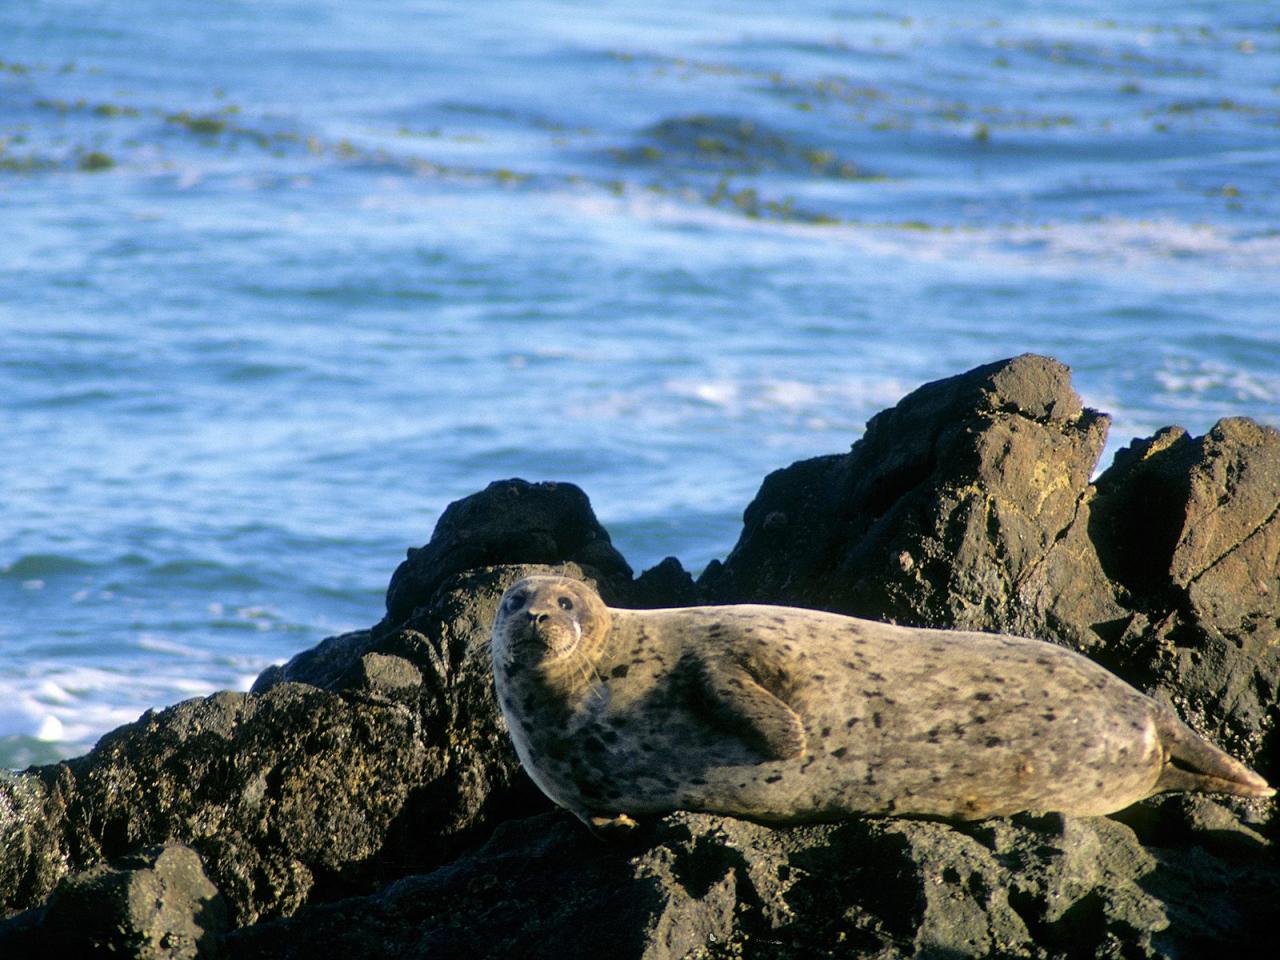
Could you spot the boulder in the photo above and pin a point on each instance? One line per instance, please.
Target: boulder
(966, 505)
(1190, 529)
(509, 522)
(155, 904)
(391, 761)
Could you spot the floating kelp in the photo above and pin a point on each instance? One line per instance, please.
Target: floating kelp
(733, 145)
(92, 161)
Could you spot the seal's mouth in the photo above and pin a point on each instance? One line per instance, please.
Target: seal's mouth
(552, 640)
(532, 637)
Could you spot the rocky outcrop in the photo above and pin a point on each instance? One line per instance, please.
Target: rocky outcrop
(966, 505)
(510, 521)
(363, 799)
(970, 505)
(1189, 528)
(700, 886)
(156, 904)
(354, 764)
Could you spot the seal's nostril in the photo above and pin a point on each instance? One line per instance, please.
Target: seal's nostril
(540, 618)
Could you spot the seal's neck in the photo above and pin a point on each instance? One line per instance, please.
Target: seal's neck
(573, 681)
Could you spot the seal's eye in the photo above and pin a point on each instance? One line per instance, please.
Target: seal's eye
(566, 603)
(515, 601)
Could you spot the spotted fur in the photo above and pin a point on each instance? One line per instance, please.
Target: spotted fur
(782, 714)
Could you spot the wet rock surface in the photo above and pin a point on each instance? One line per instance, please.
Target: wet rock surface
(363, 799)
(341, 771)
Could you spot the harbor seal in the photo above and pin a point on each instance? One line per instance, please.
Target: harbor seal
(780, 714)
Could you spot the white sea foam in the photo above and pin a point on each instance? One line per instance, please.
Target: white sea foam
(791, 394)
(158, 644)
(822, 405)
(50, 730)
(244, 681)
(50, 692)
(1200, 382)
(71, 705)
(1111, 245)
(721, 393)
(69, 721)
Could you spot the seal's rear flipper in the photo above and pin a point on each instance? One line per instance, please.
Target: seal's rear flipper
(1192, 763)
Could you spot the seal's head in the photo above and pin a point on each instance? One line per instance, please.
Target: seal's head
(550, 623)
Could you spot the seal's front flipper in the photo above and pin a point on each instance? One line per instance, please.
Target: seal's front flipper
(610, 828)
(735, 701)
(1192, 763)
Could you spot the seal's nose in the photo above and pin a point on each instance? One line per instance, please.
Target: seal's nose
(536, 617)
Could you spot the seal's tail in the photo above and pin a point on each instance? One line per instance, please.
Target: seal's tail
(1192, 763)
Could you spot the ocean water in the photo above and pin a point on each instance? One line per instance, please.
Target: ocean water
(279, 280)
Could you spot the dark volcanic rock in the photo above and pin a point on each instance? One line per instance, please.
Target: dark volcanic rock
(157, 903)
(240, 778)
(321, 666)
(666, 585)
(510, 521)
(1191, 528)
(295, 792)
(970, 505)
(966, 505)
(701, 886)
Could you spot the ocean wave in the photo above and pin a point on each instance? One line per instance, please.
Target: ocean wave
(784, 408)
(823, 406)
(1200, 382)
(112, 574)
(45, 566)
(1196, 254)
(59, 708)
(210, 574)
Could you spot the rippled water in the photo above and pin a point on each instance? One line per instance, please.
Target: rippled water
(279, 280)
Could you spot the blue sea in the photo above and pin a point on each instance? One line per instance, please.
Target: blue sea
(279, 280)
